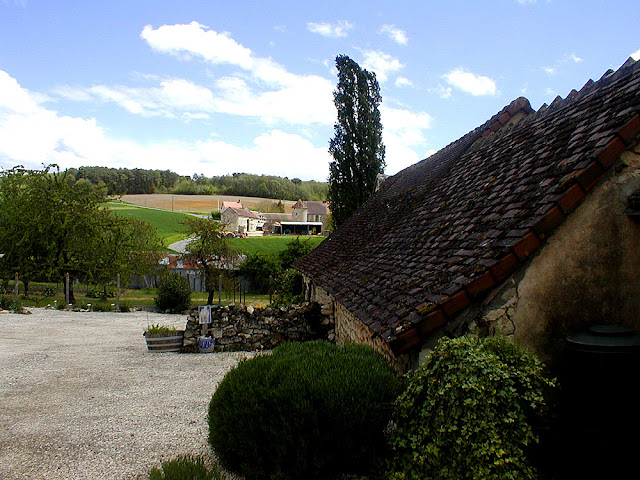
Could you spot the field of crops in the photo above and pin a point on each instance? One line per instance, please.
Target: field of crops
(204, 204)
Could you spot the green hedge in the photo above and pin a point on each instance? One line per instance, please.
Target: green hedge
(467, 413)
(305, 411)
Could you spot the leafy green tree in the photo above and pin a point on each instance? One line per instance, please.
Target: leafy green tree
(122, 246)
(261, 270)
(294, 251)
(356, 148)
(209, 249)
(51, 225)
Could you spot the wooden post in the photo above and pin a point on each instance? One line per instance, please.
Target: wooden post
(66, 288)
(118, 298)
(15, 287)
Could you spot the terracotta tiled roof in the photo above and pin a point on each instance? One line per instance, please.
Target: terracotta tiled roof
(446, 230)
(228, 204)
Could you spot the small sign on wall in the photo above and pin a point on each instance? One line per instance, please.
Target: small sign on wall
(205, 314)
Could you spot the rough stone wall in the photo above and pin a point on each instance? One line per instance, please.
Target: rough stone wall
(236, 327)
(587, 273)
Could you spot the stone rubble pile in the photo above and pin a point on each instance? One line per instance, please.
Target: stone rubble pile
(240, 327)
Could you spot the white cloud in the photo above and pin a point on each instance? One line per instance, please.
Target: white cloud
(527, 2)
(403, 131)
(331, 30)
(198, 40)
(381, 63)
(33, 135)
(550, 70)
(442, 91)
(269, 92)
(636, 55)
(574, 58)
(395, 34)
(471, 83)
(403, 82)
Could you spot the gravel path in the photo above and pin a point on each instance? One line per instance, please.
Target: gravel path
(82, 398)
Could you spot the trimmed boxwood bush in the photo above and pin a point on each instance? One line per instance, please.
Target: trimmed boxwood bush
(174, 293)
(468, 412)
(306, 411)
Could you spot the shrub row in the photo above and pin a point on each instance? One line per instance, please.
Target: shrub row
(315, 410)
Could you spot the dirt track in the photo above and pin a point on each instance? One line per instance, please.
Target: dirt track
(82, 398)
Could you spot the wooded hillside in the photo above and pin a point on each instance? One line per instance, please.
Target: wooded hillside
(120, 181)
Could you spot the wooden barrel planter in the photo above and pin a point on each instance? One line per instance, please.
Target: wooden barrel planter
(159, 342)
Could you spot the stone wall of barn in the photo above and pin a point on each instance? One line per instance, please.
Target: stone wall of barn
(347, 328)
(587, 273)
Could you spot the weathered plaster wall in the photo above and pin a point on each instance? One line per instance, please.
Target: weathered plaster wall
(299, 214)
(588, 272)
(230, 220)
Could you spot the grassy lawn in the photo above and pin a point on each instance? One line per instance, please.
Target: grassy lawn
(143, 297)
(269, 244)
(166, 223)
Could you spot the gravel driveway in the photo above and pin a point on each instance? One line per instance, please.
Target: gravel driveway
(82, 398)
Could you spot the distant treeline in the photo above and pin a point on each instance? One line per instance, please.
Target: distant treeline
(121, 181)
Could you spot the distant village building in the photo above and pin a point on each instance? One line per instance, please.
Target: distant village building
(308, 218)
(242, 221)
(227, 204)
(273, 222)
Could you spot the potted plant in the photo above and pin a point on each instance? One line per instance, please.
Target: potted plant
(162, 338)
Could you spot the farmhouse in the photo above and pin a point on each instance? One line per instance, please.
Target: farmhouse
(308, 218)
(241, 220)
(524, 225)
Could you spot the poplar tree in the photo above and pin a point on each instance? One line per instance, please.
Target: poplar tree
(356, 148)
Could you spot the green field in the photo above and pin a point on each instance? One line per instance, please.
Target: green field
(171, 230)
(166, 223)
(270, 244)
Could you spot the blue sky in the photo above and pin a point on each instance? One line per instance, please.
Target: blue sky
(217, 87)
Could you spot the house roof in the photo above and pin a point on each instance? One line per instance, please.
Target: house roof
(227, 204)
(313, 207)
(445, 231)
(241, 212)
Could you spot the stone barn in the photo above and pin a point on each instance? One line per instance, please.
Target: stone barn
(526, 225)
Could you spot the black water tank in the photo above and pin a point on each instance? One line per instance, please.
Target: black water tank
(600, 406)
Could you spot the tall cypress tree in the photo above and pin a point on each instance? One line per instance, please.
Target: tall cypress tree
(357, 149)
